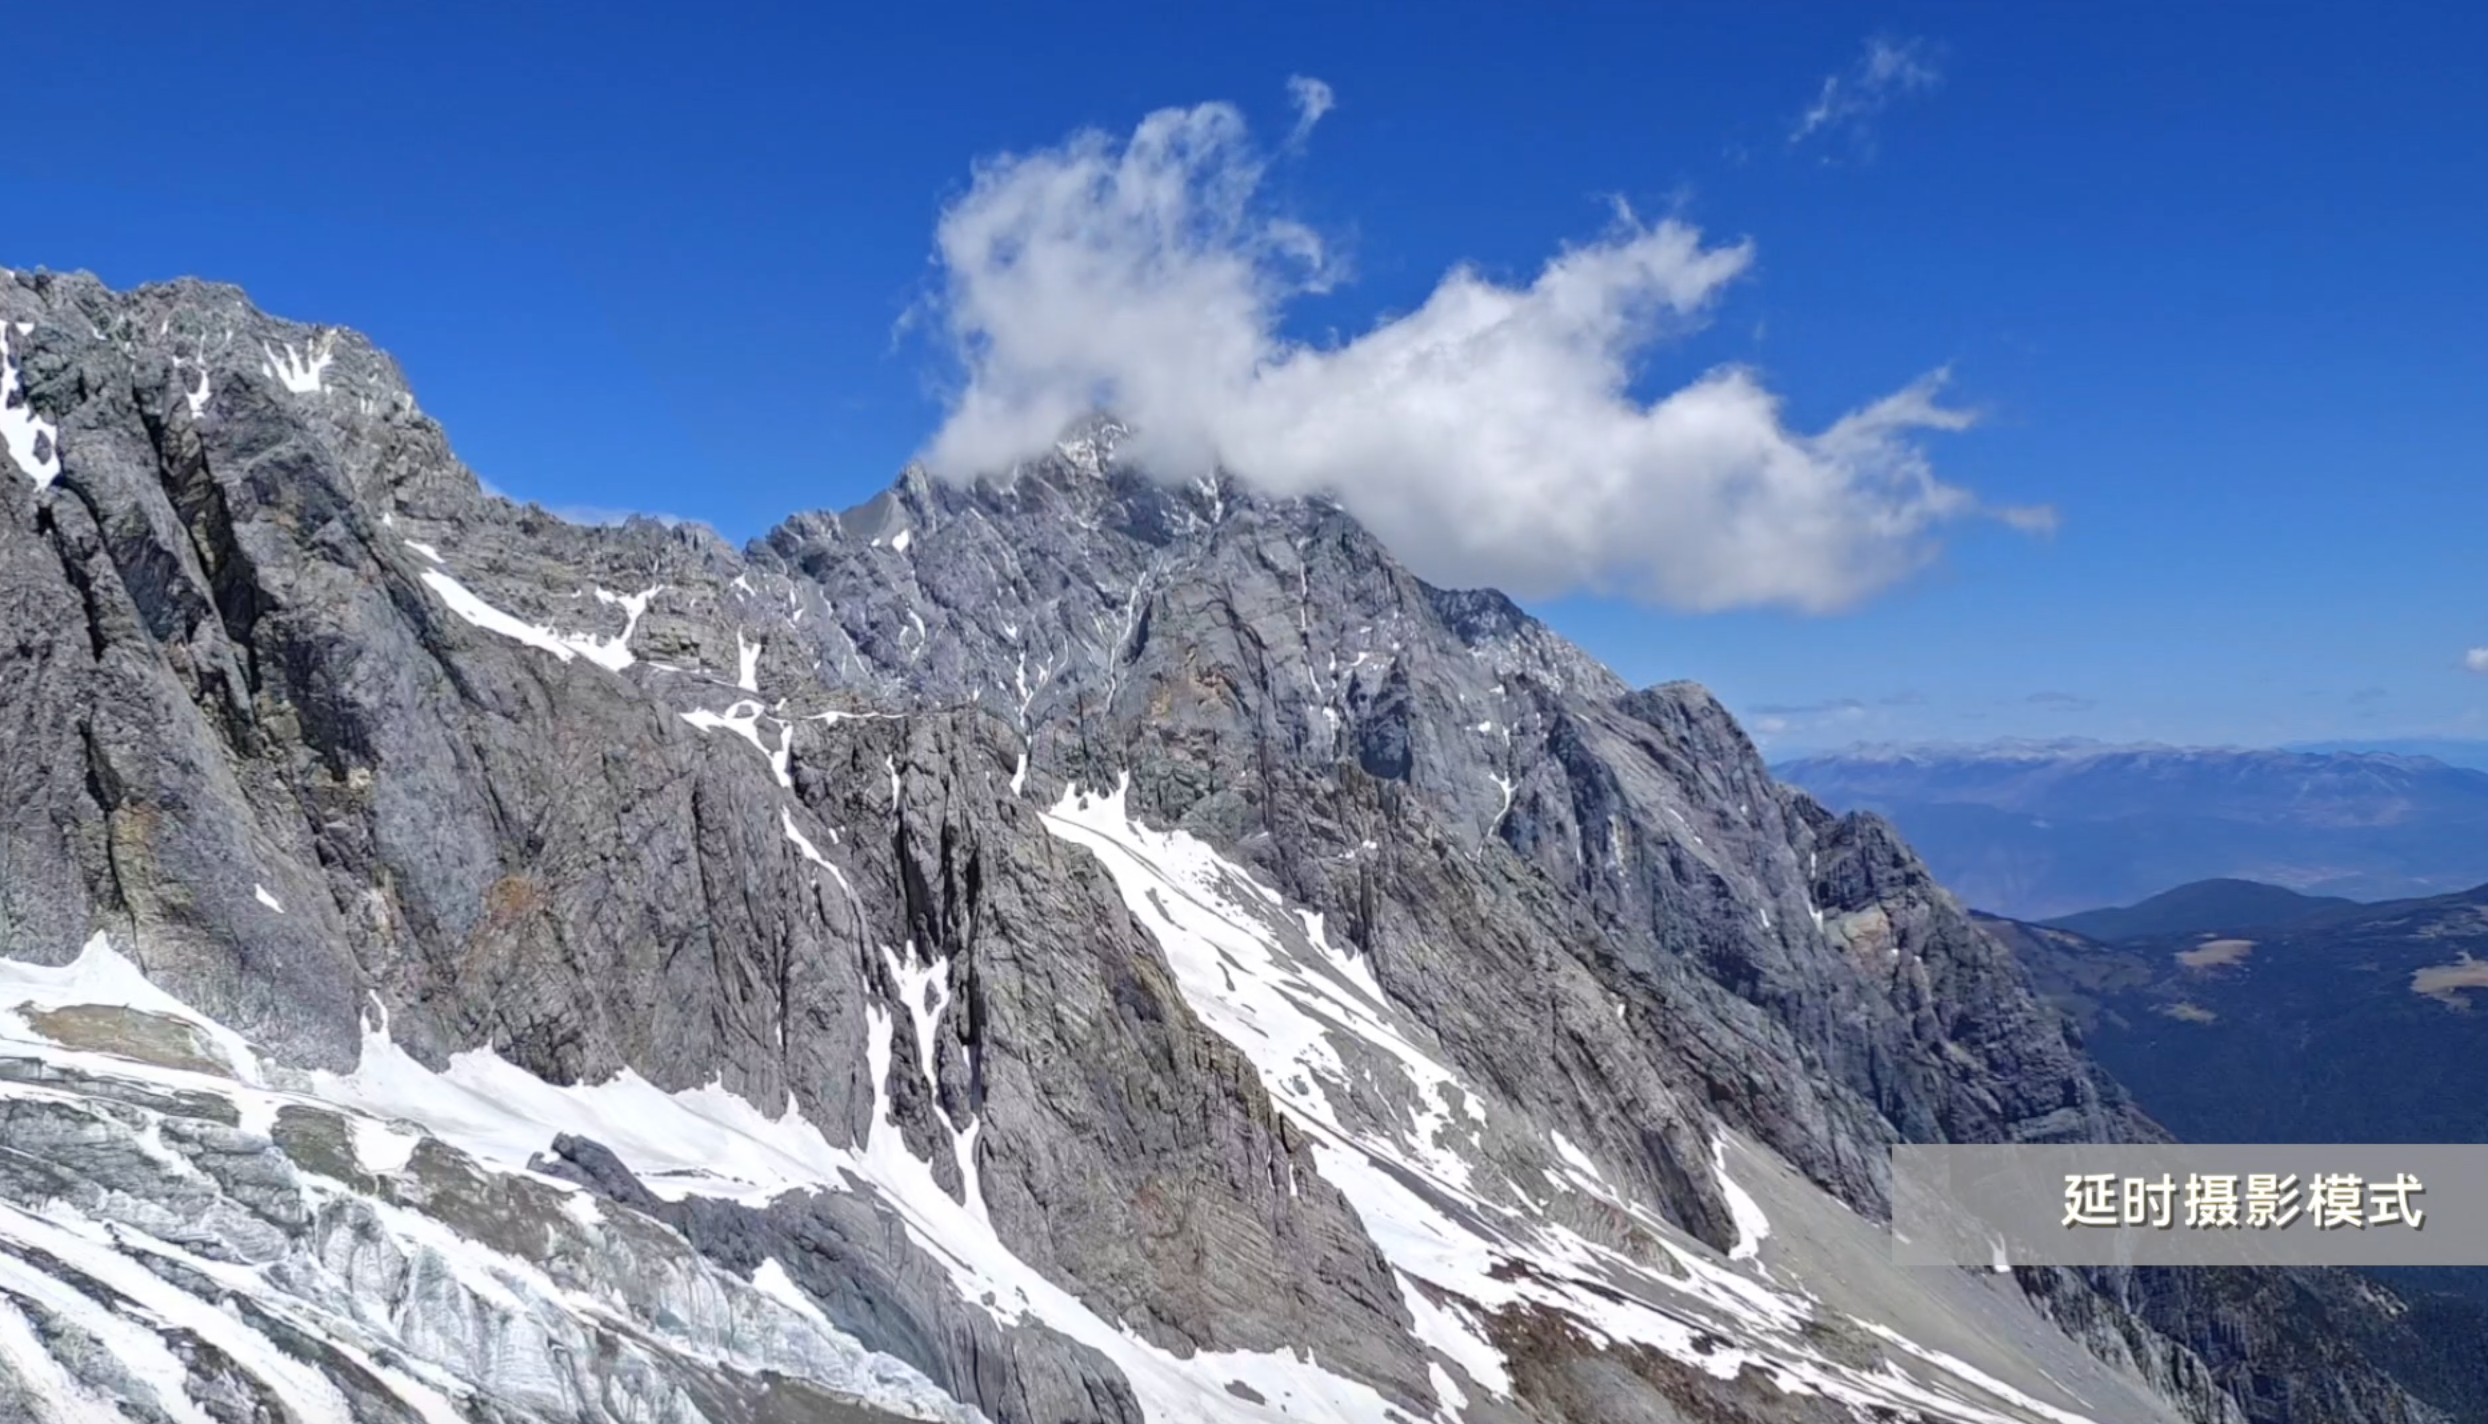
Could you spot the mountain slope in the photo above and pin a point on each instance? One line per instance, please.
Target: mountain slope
(1059, 944)
(2201, 905)
(2350, 1025)
(2034, 830)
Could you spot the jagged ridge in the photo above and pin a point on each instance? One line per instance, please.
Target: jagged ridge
(599, 801)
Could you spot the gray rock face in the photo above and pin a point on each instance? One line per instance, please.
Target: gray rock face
(1442, 934)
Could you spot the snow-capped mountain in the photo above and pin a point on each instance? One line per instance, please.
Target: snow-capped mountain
(1072, 948)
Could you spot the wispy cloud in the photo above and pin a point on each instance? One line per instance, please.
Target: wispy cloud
(1849, 102)
(1312, 99)
(1848, 706)
(1489, 435)
(2061, 701)
(1826, 721)
(2476, 660)
(2036, 519)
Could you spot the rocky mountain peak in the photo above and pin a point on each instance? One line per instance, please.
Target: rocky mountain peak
(1078, 948)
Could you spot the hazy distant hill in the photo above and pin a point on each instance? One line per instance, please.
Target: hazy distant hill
(2041, 829)
(2202, 905)
(2453, 751)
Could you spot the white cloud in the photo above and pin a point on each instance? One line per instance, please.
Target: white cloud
(2476, 660)
(1826, 721)
(1849, 101)
(1490, 436)
(1312, 99)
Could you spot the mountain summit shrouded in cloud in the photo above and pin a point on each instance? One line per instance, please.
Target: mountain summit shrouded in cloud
(1491, 434)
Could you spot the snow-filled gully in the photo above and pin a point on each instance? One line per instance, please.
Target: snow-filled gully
(613, 653)
(1269, 981)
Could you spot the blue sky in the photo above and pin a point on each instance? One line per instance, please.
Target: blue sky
(2211, 287)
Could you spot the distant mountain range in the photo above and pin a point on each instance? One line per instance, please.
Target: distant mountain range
(2039, 829)
(2203, 905)
(2453, 751)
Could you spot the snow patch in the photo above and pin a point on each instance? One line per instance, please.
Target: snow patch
(33, 443)
(260, 892)
(746, 663)
(919, 981)
(702, 1142)
(381, 1148)
(744, 719)
(612, 653)
(101, 976)
(1746, 1213)
(803, 845)
(1971, 1374)
(1460, 1338)
(802, 842)
(1576, 1159)
(300, 374)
